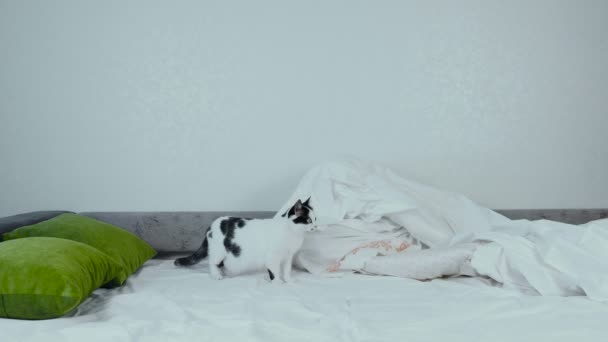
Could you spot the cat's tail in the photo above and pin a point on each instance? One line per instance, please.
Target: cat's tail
(197, 256)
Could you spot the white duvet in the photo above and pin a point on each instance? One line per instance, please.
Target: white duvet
(374, 221)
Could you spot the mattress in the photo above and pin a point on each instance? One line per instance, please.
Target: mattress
(164, 303)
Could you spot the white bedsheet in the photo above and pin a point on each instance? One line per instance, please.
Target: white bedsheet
(165, 303)
(361, 207)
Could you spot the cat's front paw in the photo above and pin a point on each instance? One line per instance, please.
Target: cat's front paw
(216, 276)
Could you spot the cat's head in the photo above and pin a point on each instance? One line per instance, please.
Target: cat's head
(302, 214)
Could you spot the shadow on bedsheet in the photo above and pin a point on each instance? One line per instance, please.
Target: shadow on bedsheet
(98, 302)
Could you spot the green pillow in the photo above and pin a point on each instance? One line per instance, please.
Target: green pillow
(125, 248)
(43, 277)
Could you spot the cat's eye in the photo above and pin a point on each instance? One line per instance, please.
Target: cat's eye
(308, 220)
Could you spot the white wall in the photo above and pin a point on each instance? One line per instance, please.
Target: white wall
(201, 105)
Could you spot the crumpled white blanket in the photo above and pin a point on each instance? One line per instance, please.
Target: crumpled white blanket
(371, 220)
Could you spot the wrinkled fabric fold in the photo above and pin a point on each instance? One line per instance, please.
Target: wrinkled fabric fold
(353, 198)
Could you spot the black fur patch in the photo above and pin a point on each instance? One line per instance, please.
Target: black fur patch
(303, 216)
(227, 227)
(301, 220)
(270, 275)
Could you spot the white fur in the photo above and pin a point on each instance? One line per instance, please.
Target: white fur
(268, 244)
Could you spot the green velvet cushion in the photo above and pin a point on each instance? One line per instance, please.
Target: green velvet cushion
(44, 277)
(125, 248)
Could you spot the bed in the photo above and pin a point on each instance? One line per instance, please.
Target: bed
(163, 303)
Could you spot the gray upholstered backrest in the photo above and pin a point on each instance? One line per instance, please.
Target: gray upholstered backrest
(183, 231)
(572, 216)
(9, 223)
(170, 231)
(174, 232)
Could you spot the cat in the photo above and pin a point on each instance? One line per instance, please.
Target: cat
(240, 245)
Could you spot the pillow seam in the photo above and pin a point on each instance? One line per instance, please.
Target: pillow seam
(5, 314)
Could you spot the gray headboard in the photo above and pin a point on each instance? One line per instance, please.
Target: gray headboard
(182, 231)
(170, 231)
(572, 216)
(173, 232)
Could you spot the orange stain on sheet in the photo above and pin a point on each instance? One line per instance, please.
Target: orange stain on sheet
(381, 245)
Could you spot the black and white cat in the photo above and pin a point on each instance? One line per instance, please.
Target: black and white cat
(239, 245)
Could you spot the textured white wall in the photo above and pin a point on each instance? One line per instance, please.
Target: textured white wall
(201, 105)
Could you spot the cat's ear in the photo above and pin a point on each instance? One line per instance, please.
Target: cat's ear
(297, 208)
(298, 205)
(307, 202)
